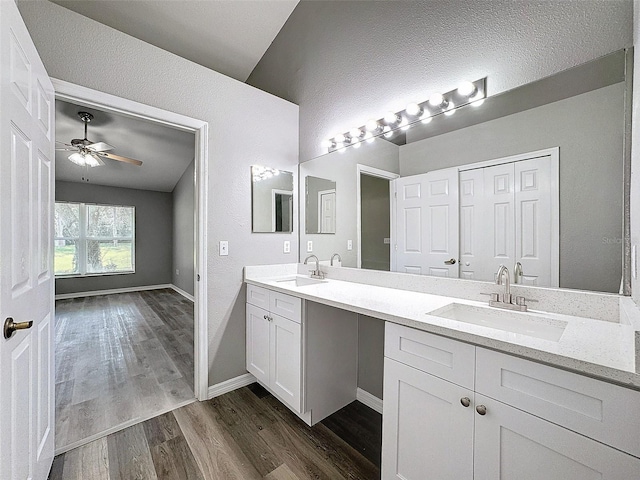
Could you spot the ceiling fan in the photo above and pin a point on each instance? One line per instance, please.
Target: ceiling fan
(87, 153)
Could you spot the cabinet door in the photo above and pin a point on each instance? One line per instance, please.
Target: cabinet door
(257, 336)
(286, 355)
(513, 445)
(427, 433)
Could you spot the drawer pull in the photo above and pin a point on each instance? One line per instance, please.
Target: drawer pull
(465, 401)
(481, 409)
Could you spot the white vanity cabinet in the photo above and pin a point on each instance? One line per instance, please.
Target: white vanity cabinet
(303, 352)
(523, 421)
(274, 347)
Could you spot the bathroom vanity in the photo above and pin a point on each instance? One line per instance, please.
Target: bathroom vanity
(469, 391)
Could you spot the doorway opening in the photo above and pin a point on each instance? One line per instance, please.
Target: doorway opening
(144, 344)
(375, 217)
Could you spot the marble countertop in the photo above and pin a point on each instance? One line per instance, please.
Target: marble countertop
(601, 349)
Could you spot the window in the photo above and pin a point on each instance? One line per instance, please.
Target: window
(93, 239)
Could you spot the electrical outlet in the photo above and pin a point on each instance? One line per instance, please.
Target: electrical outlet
(349, 244)
(287, 246)
(224, 248)
(309, 246)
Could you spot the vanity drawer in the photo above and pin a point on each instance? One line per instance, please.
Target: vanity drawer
(286, 306)
(258, 296)
(599, 410)
(447, 359)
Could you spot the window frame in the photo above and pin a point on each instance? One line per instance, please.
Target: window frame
(83, 238)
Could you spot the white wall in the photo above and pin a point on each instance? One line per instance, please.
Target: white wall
(344, 62)
(246, 126)
(635, 154)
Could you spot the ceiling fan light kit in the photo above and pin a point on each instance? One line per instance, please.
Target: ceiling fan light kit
(88, 153)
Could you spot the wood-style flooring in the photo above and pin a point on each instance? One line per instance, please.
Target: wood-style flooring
(243, 435)
(120, 359)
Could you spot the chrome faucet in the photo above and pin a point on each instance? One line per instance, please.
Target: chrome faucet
(505, 300)
(334, 256)
(314, 273)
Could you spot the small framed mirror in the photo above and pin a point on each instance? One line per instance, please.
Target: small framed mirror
(320, 206)
(271, 200)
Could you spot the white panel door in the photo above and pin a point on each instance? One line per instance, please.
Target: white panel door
(327, 216)
(442, 223)
(536, 222)
(499, 218)
(286, 360)
(513, 445)
(427, 432)
(473, 239)
(410, 248)
(26, 264)
(258, 344)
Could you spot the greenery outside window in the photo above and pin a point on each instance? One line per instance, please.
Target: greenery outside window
(93, 239)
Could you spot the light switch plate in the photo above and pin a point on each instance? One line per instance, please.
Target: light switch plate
(224, 248)
(309, 246)
(349, 244)
(286, 247)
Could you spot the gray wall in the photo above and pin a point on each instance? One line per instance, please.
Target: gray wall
(314, 185)
(588, 128)
(153, 235)
(370, 354)
(121, 65)
(182, 272)
(344, 62)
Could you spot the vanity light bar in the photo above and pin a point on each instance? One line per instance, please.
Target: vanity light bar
(259, 172)
(437, 104)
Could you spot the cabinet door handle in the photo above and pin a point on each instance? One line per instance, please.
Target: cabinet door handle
(481, 409)
(465, 401)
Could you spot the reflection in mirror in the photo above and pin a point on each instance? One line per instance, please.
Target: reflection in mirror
(271, 200)
(554, 149)
(320, 205)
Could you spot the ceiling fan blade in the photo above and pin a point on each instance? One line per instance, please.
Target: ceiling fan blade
(118, 158)
(66, 149)
(100, 147)
(62, 143)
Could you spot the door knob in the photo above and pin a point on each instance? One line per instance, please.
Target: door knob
(481, 409)
(465, 401)
(451, 261)
(10, 327)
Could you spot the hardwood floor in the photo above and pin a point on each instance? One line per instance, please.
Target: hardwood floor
(245, 434)
(119, 359)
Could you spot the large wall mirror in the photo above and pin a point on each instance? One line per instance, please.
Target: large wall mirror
(532, 178)
(271, 200)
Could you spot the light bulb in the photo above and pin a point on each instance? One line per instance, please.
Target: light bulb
(78, 159)
(356, 133)
(340, 138)
(276, 172)
(91, 161)
(477, 103)
(369, 137)
(451, 109)
(414, 110)
(328, 143)
(372, 125)
(390, 118)
(466, 89)
(437, 100)
(426, 120)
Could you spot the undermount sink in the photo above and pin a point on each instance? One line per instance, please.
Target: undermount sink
(301, 281)
(515, 322)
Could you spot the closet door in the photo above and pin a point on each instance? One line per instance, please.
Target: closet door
(536, 224)
(474, 241)
(499, 218)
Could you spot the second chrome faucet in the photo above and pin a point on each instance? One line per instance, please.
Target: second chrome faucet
(505, 300)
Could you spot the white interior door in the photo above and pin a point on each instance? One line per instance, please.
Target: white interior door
(473, 230)
(499, 217)
(327, 214)
(26, 266)
(536, 212)
(427, 223)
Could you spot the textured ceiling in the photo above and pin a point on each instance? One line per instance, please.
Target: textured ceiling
(229, 37)
(165, 152)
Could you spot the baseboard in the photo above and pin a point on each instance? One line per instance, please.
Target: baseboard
(186, 295)
(94, 293)
(369, 400)
(230, 385)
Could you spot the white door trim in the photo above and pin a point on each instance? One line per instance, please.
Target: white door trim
(104, 101)
(373, 172)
